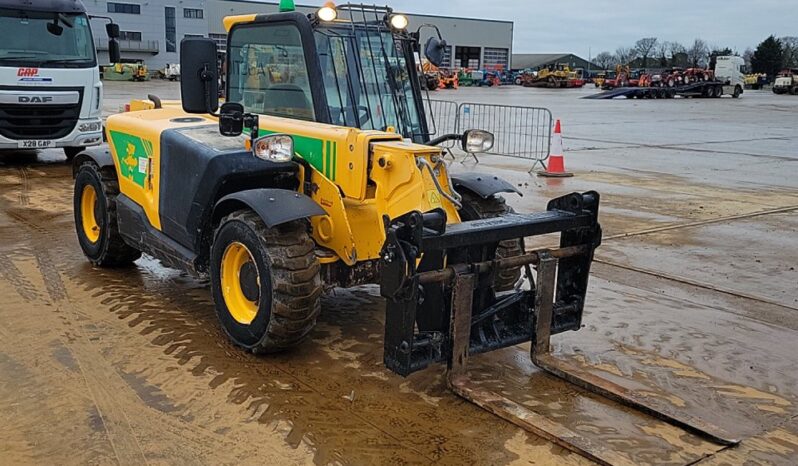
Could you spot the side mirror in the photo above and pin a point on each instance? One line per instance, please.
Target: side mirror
(433, 50)
(112, 29)
(231, 119)
(114, 56)
(55, 29)
(199, 75)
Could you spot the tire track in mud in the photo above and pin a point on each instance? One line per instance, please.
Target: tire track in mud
(96, 374)
(24, 178)
(11, 273)
(264, 390)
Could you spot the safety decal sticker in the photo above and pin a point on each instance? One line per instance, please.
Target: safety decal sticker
(133, 154)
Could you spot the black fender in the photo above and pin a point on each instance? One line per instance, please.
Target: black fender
(100, 155)
(483, 185)
(274, 206)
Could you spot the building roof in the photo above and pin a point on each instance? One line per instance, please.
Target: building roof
(534, 60)
(60, 6)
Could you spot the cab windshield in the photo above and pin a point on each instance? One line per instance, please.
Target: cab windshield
(45, 39)
(367, 79)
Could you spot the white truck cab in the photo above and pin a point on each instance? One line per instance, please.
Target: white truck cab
(729, 70)
(50, 88)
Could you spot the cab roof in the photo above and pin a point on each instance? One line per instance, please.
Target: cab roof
(55, 6)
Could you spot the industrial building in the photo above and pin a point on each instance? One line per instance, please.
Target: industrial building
(152, 30)
(538, 61)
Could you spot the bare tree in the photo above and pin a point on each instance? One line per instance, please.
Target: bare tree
(662, 52)
(678, 54)
(625, 55)
(790, 45)
(644, 48)
(604, 60)
(697, 53)
(676, 47)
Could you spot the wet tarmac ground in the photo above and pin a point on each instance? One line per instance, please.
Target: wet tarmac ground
(693, 300)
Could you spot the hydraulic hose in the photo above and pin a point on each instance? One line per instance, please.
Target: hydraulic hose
(454, 198)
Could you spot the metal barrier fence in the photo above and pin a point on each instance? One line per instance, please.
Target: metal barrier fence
(441, 118)
(522, 132)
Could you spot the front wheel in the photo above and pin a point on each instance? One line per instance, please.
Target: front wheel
(265, 282)
(477, 208)
(94, 206)
(737, 92)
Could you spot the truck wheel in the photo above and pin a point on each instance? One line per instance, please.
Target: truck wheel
(265, 282)
(94, 205)
(476, 208)
(737, 91)
(71, 152)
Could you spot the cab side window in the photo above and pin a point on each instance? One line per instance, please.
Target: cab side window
(268, 73)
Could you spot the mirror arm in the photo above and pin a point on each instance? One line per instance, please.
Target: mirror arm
(444, 138)
(206, 76)
(110, 20)
(418, 31)
(251, 122)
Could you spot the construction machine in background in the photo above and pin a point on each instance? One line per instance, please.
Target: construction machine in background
(135, 71)
(755, 81)
(576, 78)
(558, 76)
(621, 78)
(440, 78)
(725, 79)
(600, 78)
(330, 177)
(786, 82)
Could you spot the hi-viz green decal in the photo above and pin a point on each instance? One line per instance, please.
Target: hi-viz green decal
(321, 154)
(133, 154)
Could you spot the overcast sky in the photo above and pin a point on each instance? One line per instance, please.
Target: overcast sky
(580, 26)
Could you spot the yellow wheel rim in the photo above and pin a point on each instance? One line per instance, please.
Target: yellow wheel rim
(88, 204)
(240, 283)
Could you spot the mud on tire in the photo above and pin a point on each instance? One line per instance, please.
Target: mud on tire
(288, 282)
(108, 249)
(475, 208)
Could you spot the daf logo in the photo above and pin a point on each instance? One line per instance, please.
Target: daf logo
(24, 99)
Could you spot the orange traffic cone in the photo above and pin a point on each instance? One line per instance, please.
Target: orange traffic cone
(556, 166)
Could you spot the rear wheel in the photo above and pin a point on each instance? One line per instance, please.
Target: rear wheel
(94, 206)
(265, 282)
(476, 208)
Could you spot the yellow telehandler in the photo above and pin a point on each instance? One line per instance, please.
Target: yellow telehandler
(327, 175)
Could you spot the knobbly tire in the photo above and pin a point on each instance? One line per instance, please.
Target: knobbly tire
(96, 222)
(476, 208)
(270, 302)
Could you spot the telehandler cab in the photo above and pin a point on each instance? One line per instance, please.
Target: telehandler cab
(319, 170)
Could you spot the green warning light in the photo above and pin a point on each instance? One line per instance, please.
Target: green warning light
(287, 5)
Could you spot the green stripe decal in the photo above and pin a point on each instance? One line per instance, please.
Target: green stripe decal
(320, 154)
(335, 159)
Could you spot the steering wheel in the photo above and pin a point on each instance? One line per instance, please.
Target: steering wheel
(343, 115)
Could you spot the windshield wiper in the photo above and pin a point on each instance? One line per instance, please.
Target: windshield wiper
(64, 60)
(18, 57)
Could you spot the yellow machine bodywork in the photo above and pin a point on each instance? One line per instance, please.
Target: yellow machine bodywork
(560, 71)
(359, 177)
